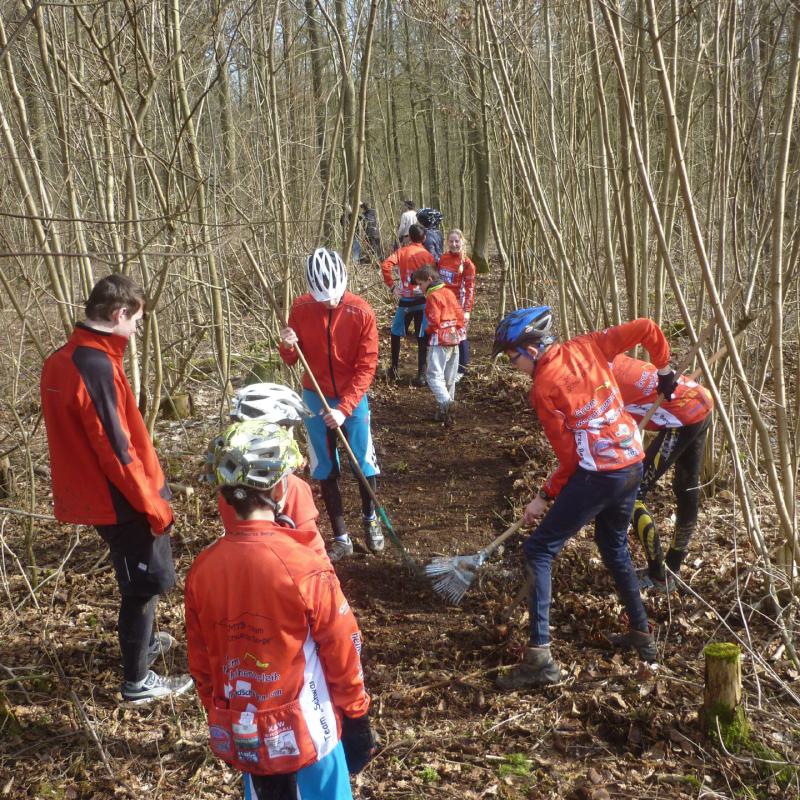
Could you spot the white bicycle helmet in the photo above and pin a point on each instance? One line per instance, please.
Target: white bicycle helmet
(326, 275)
(252, 453)
(270, 402)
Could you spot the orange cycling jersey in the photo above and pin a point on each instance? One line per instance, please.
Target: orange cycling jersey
(638, 382)
(444, 315)
(298, 505)
(458, 274)
(274, 650)
(340, 345)
(407, 259)
(579, 403)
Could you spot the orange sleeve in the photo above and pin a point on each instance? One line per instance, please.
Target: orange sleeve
(336, 633)
(562, 440)
(386, 268)
(469, 284)
(365, 365)
(108, 434)
(289, 355)
(616, 340)
(199, 662)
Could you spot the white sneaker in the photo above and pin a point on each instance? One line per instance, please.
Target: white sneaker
(154, 686)
(340, 549)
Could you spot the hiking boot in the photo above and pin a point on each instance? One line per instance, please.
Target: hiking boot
(374, 534)
(537, 668)
(441, 412)
(450, 414)
(390, 373)
(162, 643)
(641, 641)
(420, 380)
(340, 549)
(154, 686)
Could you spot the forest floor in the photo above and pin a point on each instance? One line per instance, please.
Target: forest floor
(611, 729)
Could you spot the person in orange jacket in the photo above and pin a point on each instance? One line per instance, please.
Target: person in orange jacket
(682, 424)
(458, 274)
(338, 334)
(410, 300)
(105, 473)
(445, 329)
(273, 644)
(600, 455)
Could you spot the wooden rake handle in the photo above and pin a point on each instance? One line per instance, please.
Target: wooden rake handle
(490, 548)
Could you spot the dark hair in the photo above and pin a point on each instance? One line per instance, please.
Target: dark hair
(416, 233)
(428, 272)
(409, 204)
(246, 499)
(112, 292)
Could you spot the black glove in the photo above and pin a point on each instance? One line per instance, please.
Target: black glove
(667, 384)
(359, 743)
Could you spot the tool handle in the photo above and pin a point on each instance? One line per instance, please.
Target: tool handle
(501, 538)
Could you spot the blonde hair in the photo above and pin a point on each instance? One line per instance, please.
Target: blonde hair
(461, 236)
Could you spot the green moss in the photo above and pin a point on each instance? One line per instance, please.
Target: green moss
(724, 651)
(733, 728)
(516, 765)
(429, 774)
(785, 774)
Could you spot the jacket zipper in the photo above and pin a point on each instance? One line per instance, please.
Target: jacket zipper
(330, 352)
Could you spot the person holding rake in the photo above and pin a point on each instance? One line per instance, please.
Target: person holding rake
(337, 332)
(600, 455)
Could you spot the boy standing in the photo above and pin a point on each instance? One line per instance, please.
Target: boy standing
(430, 219)
(410, 300)
(106, 473)
(272, 641)
(445, 327)
(338, 335)
(682, 422)
(599, 452)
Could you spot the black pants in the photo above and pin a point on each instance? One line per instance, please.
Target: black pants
(332, 498)
(144, 569)
(683, 448)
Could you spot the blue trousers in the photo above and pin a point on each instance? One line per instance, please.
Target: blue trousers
(328, 779)
(607, 498)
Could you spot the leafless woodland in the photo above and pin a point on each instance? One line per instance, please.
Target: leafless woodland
(612, 159)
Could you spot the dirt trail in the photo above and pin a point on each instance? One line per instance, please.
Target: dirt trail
(446, 732)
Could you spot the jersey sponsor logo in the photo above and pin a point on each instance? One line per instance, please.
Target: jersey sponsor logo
(281, 741)
(247, 627)
(220, 740)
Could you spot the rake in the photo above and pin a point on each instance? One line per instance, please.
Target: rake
(451, 577)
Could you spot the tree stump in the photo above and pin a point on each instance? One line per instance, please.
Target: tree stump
(8, 482)
(723, 711)
(177, 406)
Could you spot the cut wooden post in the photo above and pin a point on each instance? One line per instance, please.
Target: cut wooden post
(723, 711)
(177, 406)
(8, 482)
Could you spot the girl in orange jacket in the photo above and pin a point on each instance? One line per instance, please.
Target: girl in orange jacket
(458, 274)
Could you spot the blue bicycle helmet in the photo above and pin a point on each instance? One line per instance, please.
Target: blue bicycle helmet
(524, 327)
